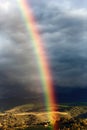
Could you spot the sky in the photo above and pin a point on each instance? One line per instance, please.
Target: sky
(62, 25)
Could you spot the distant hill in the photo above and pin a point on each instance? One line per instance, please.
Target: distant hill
(73, 111)
(78, 111)
(28, 108)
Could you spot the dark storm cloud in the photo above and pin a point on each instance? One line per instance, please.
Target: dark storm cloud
(63, 28)
(19, 74)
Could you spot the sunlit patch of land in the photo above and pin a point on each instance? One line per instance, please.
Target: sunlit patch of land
(30, 117)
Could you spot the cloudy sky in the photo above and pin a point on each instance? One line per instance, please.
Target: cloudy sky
(63, 28)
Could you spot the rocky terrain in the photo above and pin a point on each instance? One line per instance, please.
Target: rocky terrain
(28, 117)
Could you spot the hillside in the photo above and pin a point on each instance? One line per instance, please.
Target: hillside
(73, 111)
(32, 115)
(28, 108)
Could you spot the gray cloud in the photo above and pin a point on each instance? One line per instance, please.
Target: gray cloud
(63, 29)
(19, 73)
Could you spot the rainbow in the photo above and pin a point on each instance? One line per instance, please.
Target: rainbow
(40, 53)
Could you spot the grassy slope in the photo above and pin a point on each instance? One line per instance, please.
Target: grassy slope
(36, 113)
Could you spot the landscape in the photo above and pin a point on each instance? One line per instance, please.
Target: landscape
(35, 117)
(43, 64)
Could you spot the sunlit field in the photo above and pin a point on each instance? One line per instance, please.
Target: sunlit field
(37, 128)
